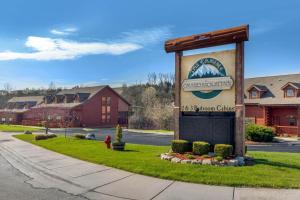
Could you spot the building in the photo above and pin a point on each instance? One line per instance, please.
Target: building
(98, 106)
(274, 101)
(16, 107)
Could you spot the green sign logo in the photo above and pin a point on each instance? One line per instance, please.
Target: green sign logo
(204, 69)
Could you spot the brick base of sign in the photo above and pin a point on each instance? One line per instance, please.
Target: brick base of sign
(210, 160)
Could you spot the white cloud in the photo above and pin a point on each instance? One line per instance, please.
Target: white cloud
(46, 48)
(60, 49)
(66, 31)
(148, 36)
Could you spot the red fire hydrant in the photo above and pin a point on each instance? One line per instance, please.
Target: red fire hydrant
(107, 141)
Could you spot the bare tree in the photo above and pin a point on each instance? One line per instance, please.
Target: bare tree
(7, 87)
(51, 86)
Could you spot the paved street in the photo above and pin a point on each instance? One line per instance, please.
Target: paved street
(28, 168)
(165, 139)
(13, 186)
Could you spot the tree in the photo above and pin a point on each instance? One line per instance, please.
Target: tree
(7, 87)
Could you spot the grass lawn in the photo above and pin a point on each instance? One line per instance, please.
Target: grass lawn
(151, 131)
(18, 128)
(273, 170)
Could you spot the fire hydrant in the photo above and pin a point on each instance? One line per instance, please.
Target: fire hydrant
(107, 141)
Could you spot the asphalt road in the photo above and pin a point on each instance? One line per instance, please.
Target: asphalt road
(161, 139)
(13, 186)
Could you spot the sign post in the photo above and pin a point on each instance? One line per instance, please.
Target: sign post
(209, 88)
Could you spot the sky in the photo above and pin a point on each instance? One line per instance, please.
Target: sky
(96, 42)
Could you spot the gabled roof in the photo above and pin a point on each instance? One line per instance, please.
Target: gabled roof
(87, 90)
(37, 99)
(294, 85)
(21, 104)
(260, 88)
(274, 94)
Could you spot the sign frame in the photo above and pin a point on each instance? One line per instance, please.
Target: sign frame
(236, 35)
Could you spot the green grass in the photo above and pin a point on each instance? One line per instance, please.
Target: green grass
(273, 170)
(18, 128)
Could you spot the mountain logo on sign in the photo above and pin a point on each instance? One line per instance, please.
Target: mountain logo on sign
(207, 68)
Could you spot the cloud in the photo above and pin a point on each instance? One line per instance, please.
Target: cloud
(60, 49)
(47, 48)
(148, 36)
(63, 32)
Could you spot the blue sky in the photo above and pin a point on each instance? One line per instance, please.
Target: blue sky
(73, 42)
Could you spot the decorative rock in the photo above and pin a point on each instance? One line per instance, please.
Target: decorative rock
(232, 162)
(165, 156)
(241, 160)
(196, 162)
(185, 161)
(175, 160)
(206, 162)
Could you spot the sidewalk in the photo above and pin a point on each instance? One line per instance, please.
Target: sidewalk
(52, 170)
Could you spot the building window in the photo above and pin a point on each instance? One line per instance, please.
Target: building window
(292, 121)
(49, 117)
(290, 92)
(3, 119)
(10, 119)
(254, 94)
(105, 109)
(58, 117)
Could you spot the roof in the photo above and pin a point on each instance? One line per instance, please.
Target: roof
(274, 93)
(90, 90)
(261, 88)
(37, 99)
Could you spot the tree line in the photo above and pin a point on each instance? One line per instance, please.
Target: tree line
(151, 102)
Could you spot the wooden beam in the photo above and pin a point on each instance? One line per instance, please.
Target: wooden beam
(298, 120)
(239, 101)
(214, 38)
(177, 113)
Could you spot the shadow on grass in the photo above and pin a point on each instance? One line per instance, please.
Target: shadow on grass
(276, 164)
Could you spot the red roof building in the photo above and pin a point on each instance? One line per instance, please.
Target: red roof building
(98, 106)
(274, 101)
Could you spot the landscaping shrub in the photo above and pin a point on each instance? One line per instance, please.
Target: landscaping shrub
(218, 158)
(28, 132)
(44, 136)
(259, 133)
(223, 150)
(80, 136)
(180, 146)
(200, 148)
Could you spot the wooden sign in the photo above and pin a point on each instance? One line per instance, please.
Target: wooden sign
(221, 89)
(208, 81)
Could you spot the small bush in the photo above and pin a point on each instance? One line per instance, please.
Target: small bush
(259, 133)
(44, 136)
(28, 132)
(52, 135)
(223, 150)
(180, 146)
(189, 156)
(206, 156)
(200, 148)
(80, 136)
(218, 158)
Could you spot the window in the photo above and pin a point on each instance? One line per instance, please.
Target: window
(3, 119)
(10, 119)
(49, 117)
(105, 109)
(254, 94)
(290, 92)
(58, 117)
(292, 121)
